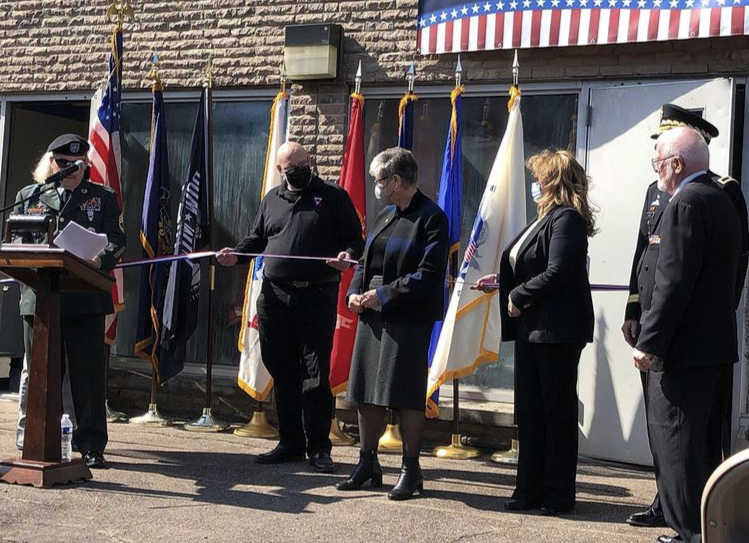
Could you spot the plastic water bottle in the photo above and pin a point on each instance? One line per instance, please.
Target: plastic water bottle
(66, 438)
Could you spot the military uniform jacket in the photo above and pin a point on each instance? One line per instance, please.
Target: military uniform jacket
(686, 279)
(655, 202)
(92, 206)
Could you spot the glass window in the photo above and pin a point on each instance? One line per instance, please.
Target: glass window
(548, 121)
(240, 133)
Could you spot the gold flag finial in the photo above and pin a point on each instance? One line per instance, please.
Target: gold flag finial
(120, 12)
(154, 75)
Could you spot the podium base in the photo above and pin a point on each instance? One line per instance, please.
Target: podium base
(17, 471)
(258, 427)
(391, 441)
(456, 450)
(509, 457)
(206, 423)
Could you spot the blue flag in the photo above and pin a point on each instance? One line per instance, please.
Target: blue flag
(155, 236)
(449, 199)
(193, 228)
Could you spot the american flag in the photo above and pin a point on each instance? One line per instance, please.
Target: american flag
(105, 154)
(446, 26)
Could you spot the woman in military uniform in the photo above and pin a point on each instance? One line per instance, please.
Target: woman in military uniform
(96, 208)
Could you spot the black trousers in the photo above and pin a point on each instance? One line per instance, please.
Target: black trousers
(82, 345)
(296, 328)
(656, 505)
(546, 414)
(681, 405)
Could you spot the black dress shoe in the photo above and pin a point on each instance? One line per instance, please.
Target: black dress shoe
(280, 455)
(647, 519)
(95, 460)
(322, 462)
(670, 539)
(520, 505)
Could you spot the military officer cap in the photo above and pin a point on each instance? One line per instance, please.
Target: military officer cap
(69, 144)
(673, 116)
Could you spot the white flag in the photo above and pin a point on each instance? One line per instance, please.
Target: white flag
(253, 377)
(471, 332)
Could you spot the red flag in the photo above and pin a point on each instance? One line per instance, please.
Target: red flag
(352, 180)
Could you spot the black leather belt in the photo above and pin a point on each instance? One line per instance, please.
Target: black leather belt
(303, 284)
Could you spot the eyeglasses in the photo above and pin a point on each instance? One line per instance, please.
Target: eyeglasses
(64, 162)
(655, 162)
(382, 179)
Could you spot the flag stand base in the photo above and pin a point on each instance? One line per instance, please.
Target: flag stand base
(206, 423)
(337, 437)
(456, 450)
(258, 427)
(509, 457)
(152, 417)
(391, 441)
(114, 416)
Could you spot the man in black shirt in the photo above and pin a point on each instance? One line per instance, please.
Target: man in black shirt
(296, 309)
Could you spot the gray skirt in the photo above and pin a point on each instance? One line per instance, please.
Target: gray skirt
(389, 365)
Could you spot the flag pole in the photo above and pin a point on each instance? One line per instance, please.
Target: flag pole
(456, 450)
(259, 427)
(510, 456)
(118, 14)
(207, 422)
(152, 417)
(337, 436)
(392, 441)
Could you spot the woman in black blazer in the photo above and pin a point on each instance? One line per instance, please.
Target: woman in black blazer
(398, 290)
(546, 308)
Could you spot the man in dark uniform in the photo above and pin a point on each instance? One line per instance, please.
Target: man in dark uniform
(655, 203)
(94, 207)
(687, 342)
(296, 309)
(673, 116)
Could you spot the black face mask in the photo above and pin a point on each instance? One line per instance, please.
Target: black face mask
(299, 176)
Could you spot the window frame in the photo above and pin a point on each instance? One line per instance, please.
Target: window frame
(481, 90)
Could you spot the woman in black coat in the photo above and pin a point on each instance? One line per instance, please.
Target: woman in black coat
(398, 290)
(546, 308)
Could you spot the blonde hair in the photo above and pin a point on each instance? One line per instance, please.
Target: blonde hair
(43, 168)
(564, 182)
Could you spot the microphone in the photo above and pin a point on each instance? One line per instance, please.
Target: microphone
(62, 174)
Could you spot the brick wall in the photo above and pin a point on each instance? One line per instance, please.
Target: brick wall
(57, 46)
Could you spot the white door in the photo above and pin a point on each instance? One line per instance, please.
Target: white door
(617, 150)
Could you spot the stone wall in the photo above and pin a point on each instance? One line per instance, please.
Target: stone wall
(59, 46)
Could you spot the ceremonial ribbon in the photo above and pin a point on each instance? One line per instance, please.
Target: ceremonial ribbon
(206, 254)
(592, 287)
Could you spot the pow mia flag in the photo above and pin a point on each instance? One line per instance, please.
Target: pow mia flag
(193, 233)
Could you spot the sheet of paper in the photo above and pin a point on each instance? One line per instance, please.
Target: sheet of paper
(81, 242)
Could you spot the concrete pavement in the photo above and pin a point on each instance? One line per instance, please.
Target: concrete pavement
(169, 485)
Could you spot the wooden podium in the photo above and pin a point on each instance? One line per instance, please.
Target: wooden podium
(49, 271)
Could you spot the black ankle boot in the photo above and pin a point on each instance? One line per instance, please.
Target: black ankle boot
(409, 482)
(368, 469)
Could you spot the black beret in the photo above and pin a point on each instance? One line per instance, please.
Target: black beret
(69, 144)
(673, 116)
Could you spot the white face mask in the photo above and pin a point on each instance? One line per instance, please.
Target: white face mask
(536, 192)
(381, 194)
